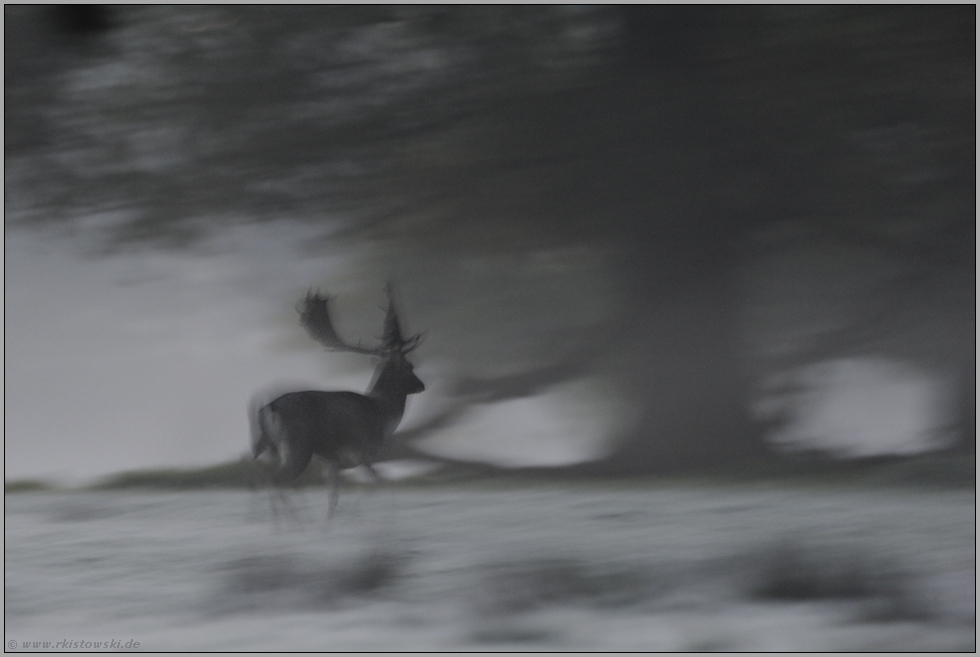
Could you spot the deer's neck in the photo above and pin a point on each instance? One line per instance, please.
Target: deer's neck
(390, 397)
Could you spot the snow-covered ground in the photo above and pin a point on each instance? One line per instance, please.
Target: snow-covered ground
(549, 567)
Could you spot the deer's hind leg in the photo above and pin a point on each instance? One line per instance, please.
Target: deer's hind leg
(291, 465)
(294, 462)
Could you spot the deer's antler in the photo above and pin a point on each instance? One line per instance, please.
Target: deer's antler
(393, 340)
(314, 315)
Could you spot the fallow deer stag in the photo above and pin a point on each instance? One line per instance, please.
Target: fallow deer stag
(346, 429)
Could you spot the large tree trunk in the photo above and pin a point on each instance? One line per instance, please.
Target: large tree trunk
(654, 199)
(682, 363)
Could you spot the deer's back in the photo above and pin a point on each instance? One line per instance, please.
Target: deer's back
(341, 426)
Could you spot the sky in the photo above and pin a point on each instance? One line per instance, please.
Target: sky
(148, 358)
(144, 358)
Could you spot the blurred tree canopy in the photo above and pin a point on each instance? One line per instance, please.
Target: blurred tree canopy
(627, 161)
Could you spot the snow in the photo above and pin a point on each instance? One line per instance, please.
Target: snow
(550, 567)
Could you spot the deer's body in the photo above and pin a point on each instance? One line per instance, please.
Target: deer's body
(346, 429)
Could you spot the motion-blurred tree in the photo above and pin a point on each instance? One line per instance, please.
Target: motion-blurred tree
(654, 146)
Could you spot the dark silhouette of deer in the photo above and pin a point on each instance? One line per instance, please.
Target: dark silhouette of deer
(346, 429)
